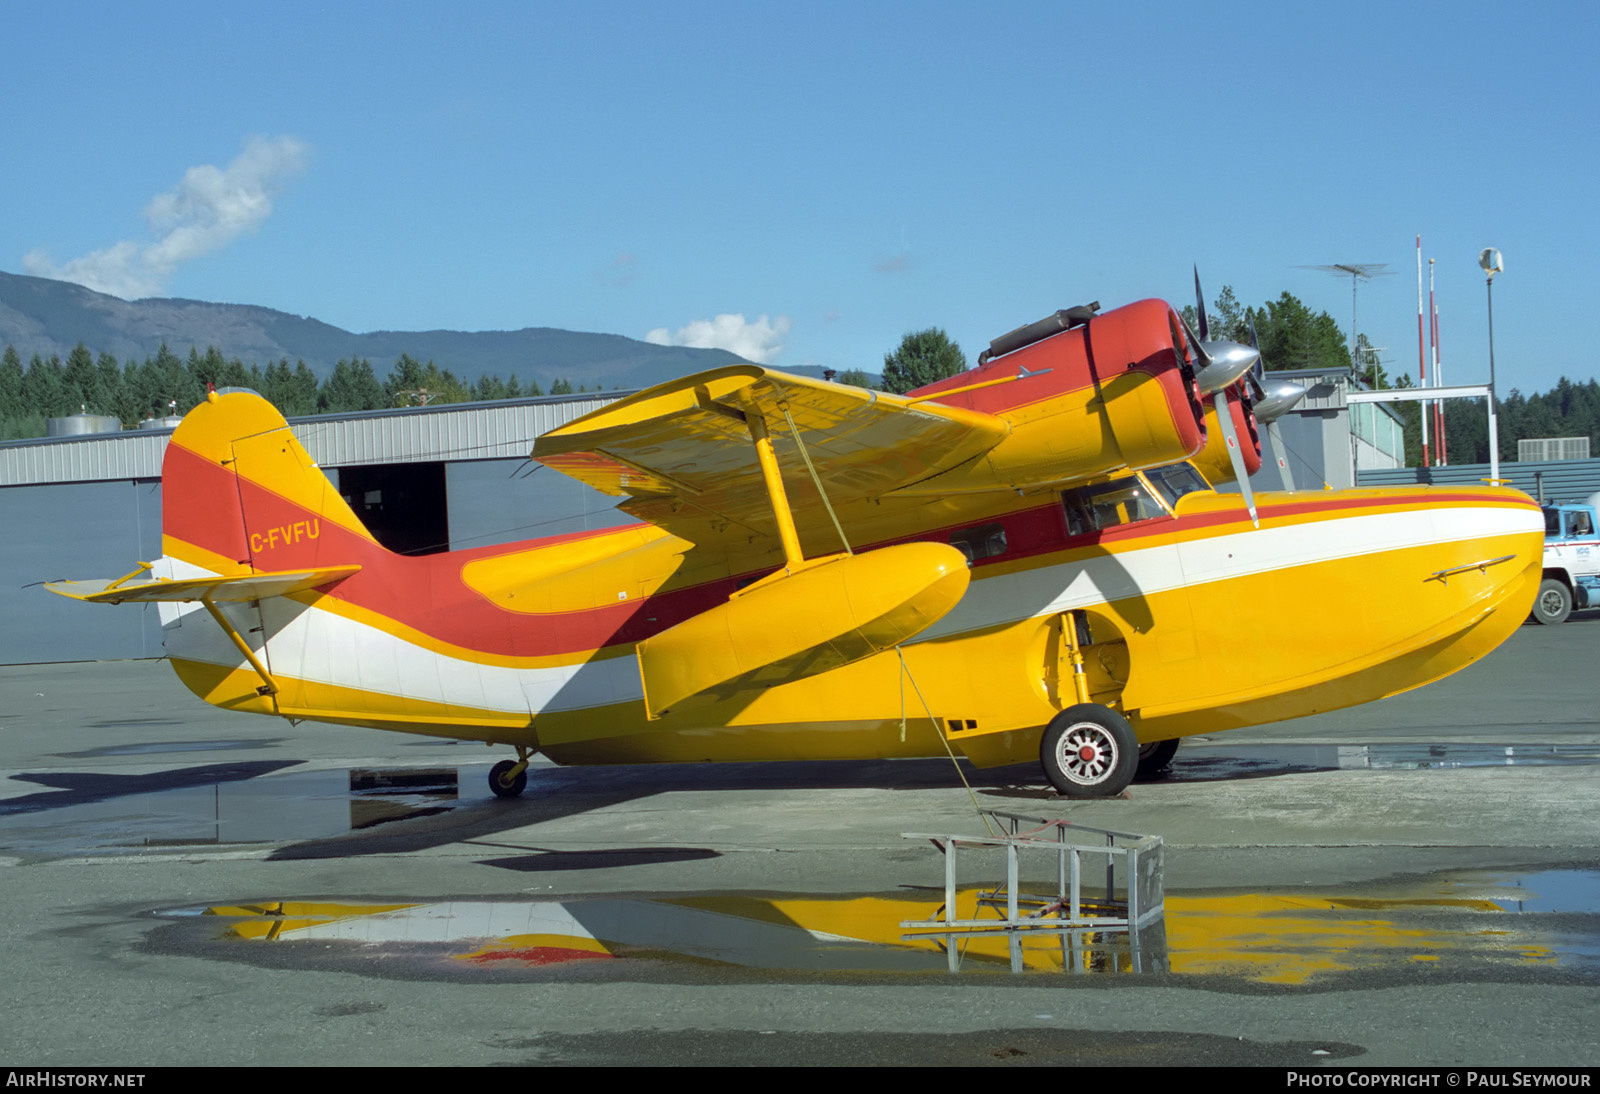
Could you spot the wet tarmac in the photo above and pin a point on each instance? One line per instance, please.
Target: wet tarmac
(272, 802)
(1416, 882)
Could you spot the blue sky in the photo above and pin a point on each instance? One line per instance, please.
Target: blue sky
(834, 174)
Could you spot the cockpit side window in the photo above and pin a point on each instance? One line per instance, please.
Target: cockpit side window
(1096, 508)
(984, 541)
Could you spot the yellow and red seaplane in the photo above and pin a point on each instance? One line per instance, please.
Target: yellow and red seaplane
(1025, 561)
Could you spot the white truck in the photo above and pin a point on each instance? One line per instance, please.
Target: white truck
(1571, 561)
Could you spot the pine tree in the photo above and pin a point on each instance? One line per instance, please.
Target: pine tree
(82, 381)
(924, 357)
(44, 388)
(11, 404)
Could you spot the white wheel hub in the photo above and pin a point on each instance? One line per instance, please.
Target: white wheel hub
(1087, 754)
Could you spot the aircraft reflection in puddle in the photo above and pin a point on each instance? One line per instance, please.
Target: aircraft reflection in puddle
(1453, 921)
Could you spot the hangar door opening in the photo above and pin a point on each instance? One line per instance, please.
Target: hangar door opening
(403, 505)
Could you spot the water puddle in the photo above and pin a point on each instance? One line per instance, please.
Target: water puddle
(1458, 922)
(1206, 764)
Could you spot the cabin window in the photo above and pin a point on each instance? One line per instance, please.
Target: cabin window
(1578, 524)
(984, 541)
(1096, 508)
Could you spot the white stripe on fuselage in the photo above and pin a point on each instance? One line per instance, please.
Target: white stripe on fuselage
(1145, 571)
(320, 646)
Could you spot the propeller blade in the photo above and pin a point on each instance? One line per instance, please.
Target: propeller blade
(1235, 453)
(1200, 307)
(1260, 371)
(1282, 455)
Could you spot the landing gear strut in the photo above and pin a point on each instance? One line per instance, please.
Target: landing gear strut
(509, 778)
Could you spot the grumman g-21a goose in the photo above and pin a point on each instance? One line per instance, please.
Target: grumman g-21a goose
(1024, 562)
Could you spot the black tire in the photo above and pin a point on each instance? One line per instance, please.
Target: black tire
(497, 780)
(1154, 758)
(1554, 603)
(1089, 751)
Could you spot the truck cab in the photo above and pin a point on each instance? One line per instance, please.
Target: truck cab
(1571, 561)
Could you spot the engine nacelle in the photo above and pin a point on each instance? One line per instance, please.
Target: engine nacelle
(1113, 394)
(1213, 461)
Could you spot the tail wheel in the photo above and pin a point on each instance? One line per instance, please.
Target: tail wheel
(1089, 751)
(1155, 757)
(1554, 603)
(503, 783)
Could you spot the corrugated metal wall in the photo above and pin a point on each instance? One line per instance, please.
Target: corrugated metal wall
(96, 529)
(1561, 480)
(454, 431)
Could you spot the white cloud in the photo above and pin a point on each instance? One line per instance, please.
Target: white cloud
(210, 208)
(759, 340)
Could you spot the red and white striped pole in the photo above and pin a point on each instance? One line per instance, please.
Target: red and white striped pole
(1433, 337)
(1422, 356)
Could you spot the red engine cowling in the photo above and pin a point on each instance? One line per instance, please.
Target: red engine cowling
(1115, 393)
(1213, 460)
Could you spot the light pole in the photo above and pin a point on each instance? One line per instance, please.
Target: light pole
(1489, 259)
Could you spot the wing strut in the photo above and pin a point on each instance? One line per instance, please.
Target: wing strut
(816, 479)
(269, 686)
(774, 480)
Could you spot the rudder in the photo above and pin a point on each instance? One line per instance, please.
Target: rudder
(240, 495)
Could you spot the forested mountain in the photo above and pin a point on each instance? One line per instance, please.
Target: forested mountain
(45, 318)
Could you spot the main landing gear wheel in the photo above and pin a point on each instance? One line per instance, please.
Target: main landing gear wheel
(1154, 758)
(1089, 751)
(1554, 603)
(503, 786)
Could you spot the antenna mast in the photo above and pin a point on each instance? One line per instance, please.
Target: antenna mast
(1357, 272)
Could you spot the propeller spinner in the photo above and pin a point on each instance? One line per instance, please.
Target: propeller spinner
(1222, 364)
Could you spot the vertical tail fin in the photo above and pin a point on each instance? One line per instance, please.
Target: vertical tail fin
(240, 495)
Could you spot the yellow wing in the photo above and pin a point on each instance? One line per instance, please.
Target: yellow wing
(682, 451)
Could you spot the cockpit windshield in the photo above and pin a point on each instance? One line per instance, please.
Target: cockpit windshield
(1176, 481)
(1126, 500)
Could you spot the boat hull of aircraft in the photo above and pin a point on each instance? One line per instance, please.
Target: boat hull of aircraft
(1332, 603)
(1106, 577)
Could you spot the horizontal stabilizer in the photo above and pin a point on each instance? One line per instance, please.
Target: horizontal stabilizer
(237, 587)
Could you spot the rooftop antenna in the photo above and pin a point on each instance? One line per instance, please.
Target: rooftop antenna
(1357, 272)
